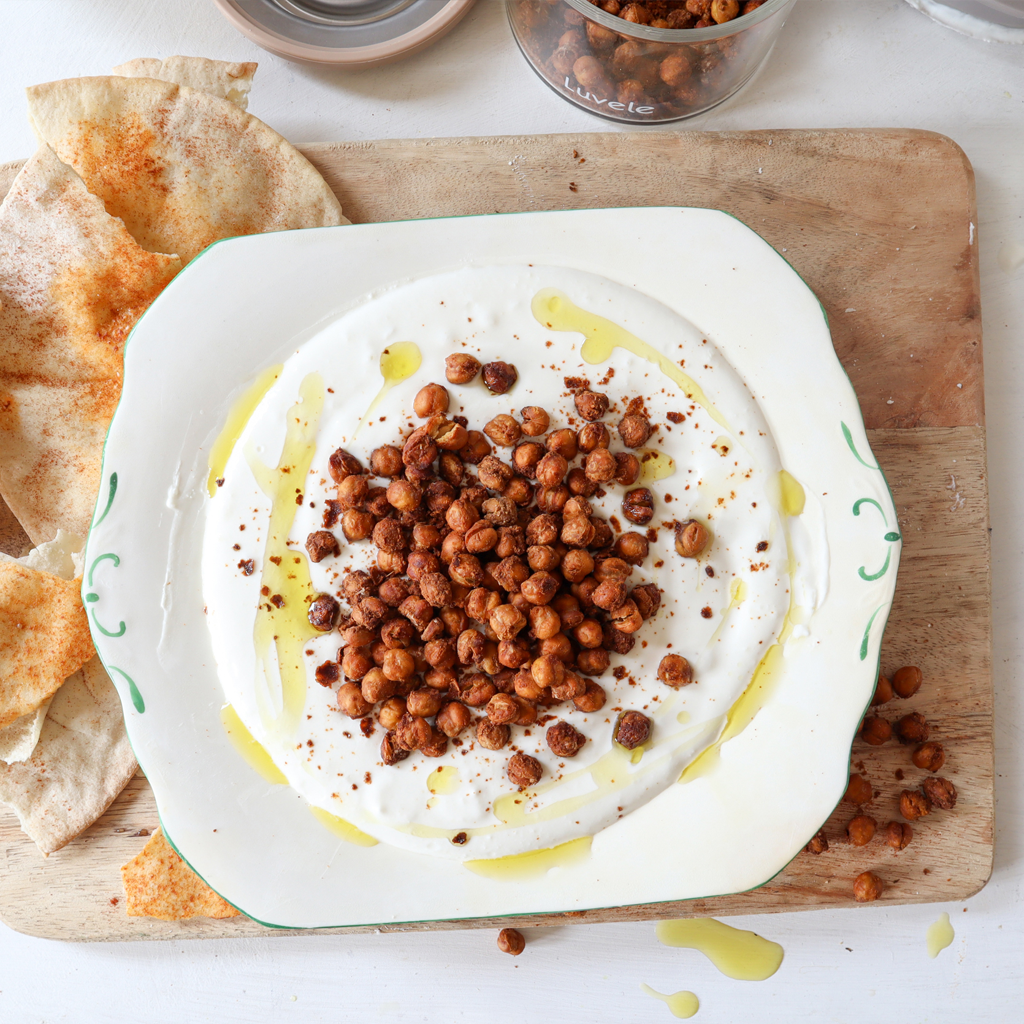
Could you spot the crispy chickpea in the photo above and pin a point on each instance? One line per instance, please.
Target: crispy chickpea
(577, 482)
(564, 740)
(883, 691)
(509, 940)
(724, 10)
(627, 469)
(551, 469)
(647, 598)
(558, 645)
(507, 621)
(600, 466)
(626, 617)
(544, 621)
(356, 525)
(578, 531)
(929, 756)
(861, 830)
(526, 686)
(526, 456)
(390, 712)
(610, 594)
(589, 633)
(591, 436)
(875, 731)
(898, 835)
(914, 805)
(858, 790)
(632, 729)
(490, 735)
(592, 699)
(523, 771)
(398, 664)
(355, 663)
(351, 701)
(477, 448)
(460, 368)
(638, 506)
(412, 732)
(540, 588)
(867, 887)
(417, 611)
(547, 670)
(577, 565)
(404, 495)
(499, 376)
(453, 718)
(636, 13)
(451, 468)
(552, 499)
(941, 792)
(818, 843)
(390, 752)
(391, 561)
(593, 661)
(461, 515)
(396, 633)
(481, 537)
(503, 430)
(535, 420)
(377, 686)
(519, 490)
(430, 400)
(502, 709)
(342, 464)
(419, 451)
(542, 556)
(912, 728)
(424, 702)
(674, 70)
(480, 602)
(386, 461)
(675, 671)
(907, 681)
(691, 538)
(632, 548)
(591, 405)
(352, 491)
(440, 653)
(322, 613)
(543, 529)
(478, 691)
(634, 429)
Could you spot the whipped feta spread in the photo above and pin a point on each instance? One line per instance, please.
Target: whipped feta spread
(723, 611)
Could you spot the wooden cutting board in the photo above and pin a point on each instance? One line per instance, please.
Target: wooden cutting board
(882, 225)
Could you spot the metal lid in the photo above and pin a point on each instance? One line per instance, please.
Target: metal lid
(352, 33)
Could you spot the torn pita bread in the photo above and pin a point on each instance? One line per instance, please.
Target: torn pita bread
(73, 283)
(82, 761)
(227, 80)
(62, 557)
(158, 883)
(181, 168)
(44, 637)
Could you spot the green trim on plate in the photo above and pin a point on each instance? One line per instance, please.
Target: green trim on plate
(110, 496)
(140, 704)
(856, 454)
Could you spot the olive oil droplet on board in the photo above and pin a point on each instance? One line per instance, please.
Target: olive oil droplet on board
(340, 827)
(738, 954)
(939, 936)
(398, 362)
(252, 751)
(238, 416)
(682, 1004)
(521, 866)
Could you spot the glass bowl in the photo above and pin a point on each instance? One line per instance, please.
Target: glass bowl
(634, 73)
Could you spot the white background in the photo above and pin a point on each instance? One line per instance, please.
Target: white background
(843, 63)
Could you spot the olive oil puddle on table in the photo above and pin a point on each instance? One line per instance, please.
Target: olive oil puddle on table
(682, 1004)
(939, 936)
(738, 954)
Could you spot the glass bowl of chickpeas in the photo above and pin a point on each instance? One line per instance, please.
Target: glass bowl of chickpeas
(646, 62)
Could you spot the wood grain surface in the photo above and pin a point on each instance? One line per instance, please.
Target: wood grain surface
(880, 223)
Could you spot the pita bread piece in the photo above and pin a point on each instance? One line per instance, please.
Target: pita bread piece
(181, 168)
(73, 283)
(227, 80)
(158, 883)
(80, 764)
(44, 637)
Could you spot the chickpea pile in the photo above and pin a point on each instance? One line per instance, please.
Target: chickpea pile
(911, 729)
(496, 588)
(652, 79)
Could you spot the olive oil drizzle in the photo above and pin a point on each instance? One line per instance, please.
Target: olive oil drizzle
(518, 867)
(553, 308)
(252, 752)
(738, 954)
(340, 827)
(238, 416)
(940, 935)
(398, 362)
(282, 622)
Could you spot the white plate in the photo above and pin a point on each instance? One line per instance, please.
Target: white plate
(247, 303)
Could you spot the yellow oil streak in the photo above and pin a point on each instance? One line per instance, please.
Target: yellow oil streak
(398, 362)
(556, 310)
(682, 1004)
(238, 416)
(939, 936)
(655, 465)
(521, 866)
(791, 494)
(252, 752)
(444, 780)
(340, 827)
(737, 954)
(282, 622)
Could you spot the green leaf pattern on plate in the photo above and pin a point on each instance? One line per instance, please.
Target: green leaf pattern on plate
(92, 598)
(890, 536)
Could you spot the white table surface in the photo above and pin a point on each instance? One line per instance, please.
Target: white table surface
(838, 63)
